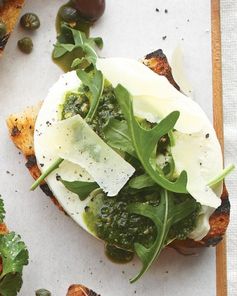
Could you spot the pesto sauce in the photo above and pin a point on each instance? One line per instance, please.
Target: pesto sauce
(66, 60)
(76, 103)
(118, 255)
(110, 220)
(108, 217)
(79, 103)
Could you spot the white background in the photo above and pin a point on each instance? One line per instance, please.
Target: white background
(60, 252)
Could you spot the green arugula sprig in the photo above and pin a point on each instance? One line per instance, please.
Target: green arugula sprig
(226, 171)
(142, 181)
(117, 136)
(14, 255)
(71, 39)
(166, 214)
(81, 188)
(145, 142)
(94, 80)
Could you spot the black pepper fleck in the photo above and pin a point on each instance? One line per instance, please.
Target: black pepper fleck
(86, 209)
(58, 177)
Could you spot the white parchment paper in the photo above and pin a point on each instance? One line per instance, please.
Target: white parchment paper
(60, 252)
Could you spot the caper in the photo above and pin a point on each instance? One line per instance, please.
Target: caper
(30, 21)
(42, 292)
(68, 14)
(3, 29)
(25, 45)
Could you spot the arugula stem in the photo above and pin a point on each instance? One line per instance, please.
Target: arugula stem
(220, 177)
(49, 170)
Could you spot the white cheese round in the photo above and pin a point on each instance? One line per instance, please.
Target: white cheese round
(196, 150)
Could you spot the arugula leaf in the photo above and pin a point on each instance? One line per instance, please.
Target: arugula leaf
(71, 39)
(99, 42)
(141, 181)
(166, 214)
(11, 284)
(59, 51)
(82, 63)
(117, 136)
(13, 253)
(82, 189)
(2, 210)
(145, 141)
(95, 81)
(220, 177)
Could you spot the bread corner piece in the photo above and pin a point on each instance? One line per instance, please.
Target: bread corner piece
(21, 129)
(80, 290)
(9, 14)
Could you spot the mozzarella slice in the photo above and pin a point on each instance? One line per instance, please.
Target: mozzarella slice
(203, 225)
(74, 141)
(196, 154)
(153, 95)
(153, 98)
(178, 71)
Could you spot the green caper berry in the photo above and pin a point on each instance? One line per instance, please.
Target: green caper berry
(3, 29)
(68, 14)
(42, 292)
(30, 21)
(25, 45)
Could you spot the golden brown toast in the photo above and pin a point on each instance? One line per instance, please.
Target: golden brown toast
(80, 290)
(9, 14)
(21, 129)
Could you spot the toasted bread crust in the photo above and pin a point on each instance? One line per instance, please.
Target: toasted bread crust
(80, 290)
(157, 62)
(9, 14)
(21, 129)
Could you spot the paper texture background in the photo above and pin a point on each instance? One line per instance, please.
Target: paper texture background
(60, 252)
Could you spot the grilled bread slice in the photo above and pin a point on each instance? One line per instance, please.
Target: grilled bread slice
(21, 129)
(80, 290)
(9, 14)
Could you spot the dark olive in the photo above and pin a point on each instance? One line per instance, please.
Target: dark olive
(3, 29)
(91, 10)
(68, 14)
(25, 45)
(42, 292)
(30, 21)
